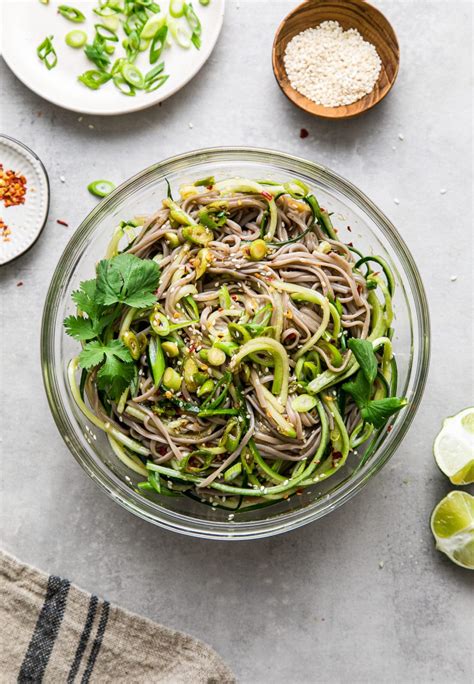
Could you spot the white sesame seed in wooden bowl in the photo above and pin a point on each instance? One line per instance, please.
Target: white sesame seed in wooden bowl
(373, 28)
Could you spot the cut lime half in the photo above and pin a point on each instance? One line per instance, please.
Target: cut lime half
(452, 524)
(454, 447)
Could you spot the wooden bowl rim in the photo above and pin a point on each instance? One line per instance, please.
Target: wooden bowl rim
(331, 112)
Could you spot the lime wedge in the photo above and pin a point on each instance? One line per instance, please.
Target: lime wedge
(452, 524)
(454, 447)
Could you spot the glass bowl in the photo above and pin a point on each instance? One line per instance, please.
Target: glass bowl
(371, 232)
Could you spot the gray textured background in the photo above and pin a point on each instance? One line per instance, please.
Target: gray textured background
(313, 605)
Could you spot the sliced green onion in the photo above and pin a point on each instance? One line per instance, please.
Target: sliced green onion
(204, 3)
(194, 25)
(153, 73)
(172, 379)
(106, 33)
(133, 75)
(170, 348)
(258, 250)
(156, 360)
(215, 356)
(123, 85)
(152, 26)
(198, 235)
(206, 182)
(93, 79)
(117, 66)
(107, 10)
(177, 8)
(205, 388)
(190, 369)
(156, 83)
(47, 53)
(71, 13)
(225, 301)
(132, 45)
(303, 403)
(160, 323)
(180, 34)
(112, 22)
(233, 472)
(157, 44)
(97, 53)
(101, 188)
(76, 38)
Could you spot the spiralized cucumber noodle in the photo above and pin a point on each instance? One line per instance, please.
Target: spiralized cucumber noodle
(256, 304)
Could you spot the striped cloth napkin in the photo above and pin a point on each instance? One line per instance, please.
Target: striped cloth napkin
(51, 631)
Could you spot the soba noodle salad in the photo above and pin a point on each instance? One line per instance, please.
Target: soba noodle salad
(235, 351)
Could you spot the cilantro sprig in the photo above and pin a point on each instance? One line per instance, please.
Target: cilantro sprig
(374, 411)
(126, 279)
(122, 280)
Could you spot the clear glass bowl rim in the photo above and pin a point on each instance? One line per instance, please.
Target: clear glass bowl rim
(177, 522)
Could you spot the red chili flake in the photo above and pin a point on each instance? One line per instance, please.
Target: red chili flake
(191, 348)
(19, 283)
(303, 133)
(390, 428)
(234, 297)
(267, 195)
(12, 188)
(209, 187)
(4, 231)
(350, 244)
(62, 223)
(349, 229)
(336, 456)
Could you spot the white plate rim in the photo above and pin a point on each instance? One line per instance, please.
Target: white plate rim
(132, 107)
(28, 152)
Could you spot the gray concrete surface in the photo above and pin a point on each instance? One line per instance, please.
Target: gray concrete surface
(314, 605)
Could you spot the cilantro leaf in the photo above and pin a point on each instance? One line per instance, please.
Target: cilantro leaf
(99, 317)
(117, 369)
(114, 376)
(379, 411)
(80, 328)
(359, 388)
(94, 352)
(365, 355)
(84, 298)
(127, 279)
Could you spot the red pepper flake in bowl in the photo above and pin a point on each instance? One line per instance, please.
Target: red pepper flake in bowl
(12, 188)
(62, 223)
(304, 133)
(4, 231)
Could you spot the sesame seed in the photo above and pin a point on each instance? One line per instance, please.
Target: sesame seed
(453, 278)
(396, 200)
(316, 61)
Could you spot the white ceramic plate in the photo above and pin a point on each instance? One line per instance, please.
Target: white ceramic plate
(25, 24)
(25, 221)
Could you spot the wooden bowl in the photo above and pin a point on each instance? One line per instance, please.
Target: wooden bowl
(358, 14)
